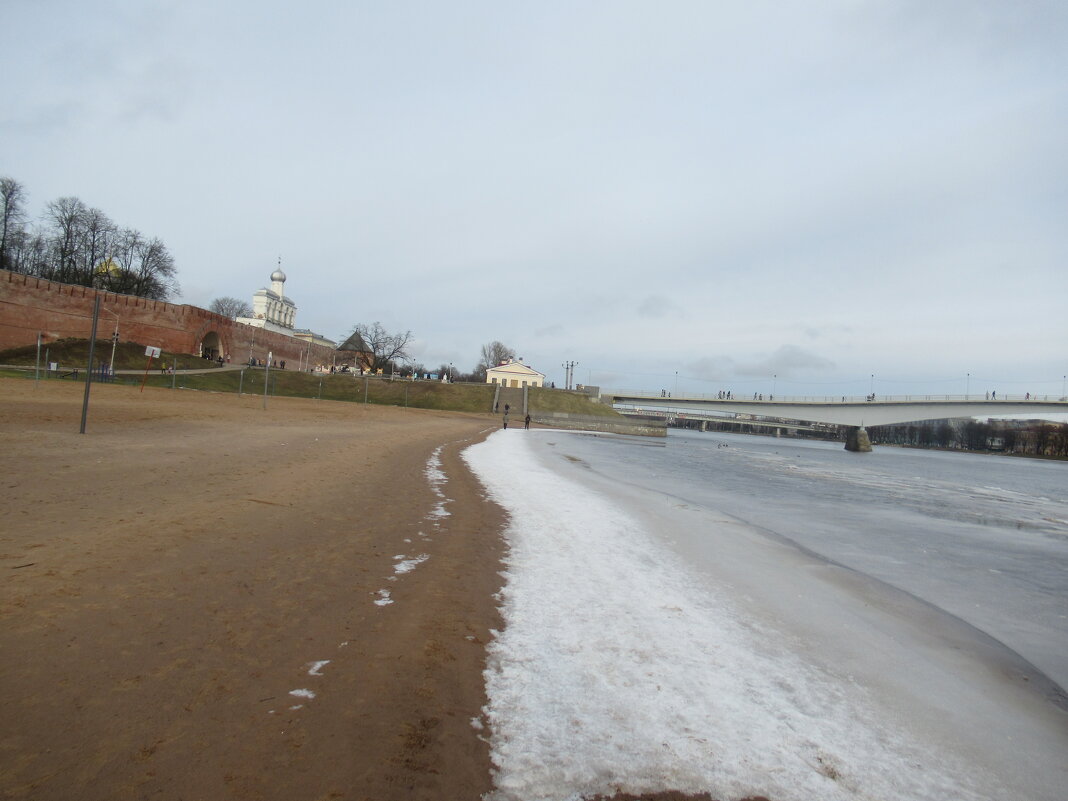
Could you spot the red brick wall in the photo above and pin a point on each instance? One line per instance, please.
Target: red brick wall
(29, 306)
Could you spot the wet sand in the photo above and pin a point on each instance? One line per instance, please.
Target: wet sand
(170, 577)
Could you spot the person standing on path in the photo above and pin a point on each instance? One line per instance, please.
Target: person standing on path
(506, 417)
(526, 421)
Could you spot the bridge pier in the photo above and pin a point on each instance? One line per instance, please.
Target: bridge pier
(857, 440)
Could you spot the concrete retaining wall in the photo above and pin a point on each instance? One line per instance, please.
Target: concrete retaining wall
(642, 427)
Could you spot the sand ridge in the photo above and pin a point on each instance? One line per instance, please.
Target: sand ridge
(172, 576)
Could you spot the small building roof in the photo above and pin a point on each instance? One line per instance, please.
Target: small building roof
(354, 343)
(514, 368)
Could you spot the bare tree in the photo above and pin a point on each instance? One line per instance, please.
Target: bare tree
(67, 216)
(142, 267)
(493, 353)
(27, 250)
(385, 348)
(76, 244)
(230, 307)
(98, 237)
(12, 215)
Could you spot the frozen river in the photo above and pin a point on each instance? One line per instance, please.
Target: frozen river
(983, 538)
(747, 615)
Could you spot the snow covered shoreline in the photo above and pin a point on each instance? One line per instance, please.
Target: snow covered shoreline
(624, 666)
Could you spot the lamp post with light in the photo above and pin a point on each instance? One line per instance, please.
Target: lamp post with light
(114, 340)
(267, 376)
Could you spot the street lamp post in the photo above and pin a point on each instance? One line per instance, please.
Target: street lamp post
(114, 340)
(266, 376)
(967, 386)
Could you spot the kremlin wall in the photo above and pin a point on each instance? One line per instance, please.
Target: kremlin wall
(30, 306)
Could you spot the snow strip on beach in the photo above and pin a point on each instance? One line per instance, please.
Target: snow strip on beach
(437, 478)
(618, 668)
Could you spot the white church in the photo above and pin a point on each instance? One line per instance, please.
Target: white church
(273, 311)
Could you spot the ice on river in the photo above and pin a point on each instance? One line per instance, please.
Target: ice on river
(631, 661)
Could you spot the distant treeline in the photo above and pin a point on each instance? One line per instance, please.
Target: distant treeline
(1031, 437)
(1024, 437)
(74, 244)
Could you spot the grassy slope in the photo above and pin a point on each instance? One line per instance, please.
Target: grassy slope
(71, 354)
(557, 400)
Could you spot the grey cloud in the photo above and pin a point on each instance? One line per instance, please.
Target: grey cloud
(818, 332)
(711, 368)
(38, 119)
(549, 331)
(658, 306)
(786, 361)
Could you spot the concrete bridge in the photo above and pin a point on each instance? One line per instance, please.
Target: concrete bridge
(853, 412)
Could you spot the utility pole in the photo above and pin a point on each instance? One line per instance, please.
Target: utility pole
(89, 368)
(569, 373)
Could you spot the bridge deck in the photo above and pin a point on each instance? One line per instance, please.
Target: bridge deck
(850, 411)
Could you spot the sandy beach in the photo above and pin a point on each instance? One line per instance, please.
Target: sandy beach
(171, 577)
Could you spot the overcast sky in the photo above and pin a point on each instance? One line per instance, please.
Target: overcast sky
(818, 191)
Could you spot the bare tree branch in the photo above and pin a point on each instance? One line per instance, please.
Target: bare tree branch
(12, 215)
(493, 353)
(385, 348)
(231, 307)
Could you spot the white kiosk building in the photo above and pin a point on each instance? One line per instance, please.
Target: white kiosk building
(514, 373)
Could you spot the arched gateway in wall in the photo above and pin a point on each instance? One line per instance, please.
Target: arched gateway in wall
(211, 346)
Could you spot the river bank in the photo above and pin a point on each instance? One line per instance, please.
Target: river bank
(748, 616)
(189, 598)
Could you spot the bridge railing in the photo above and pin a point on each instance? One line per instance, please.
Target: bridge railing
(758, 397)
